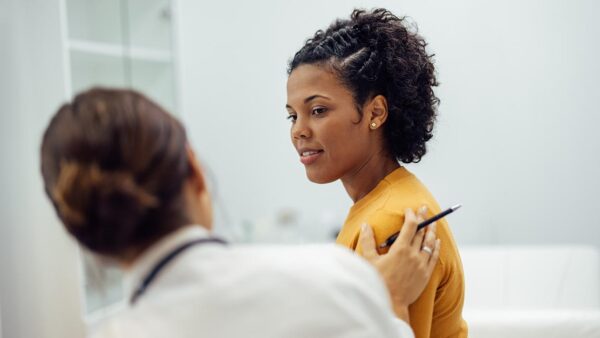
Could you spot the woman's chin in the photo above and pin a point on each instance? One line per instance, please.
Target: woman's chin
(319, 177)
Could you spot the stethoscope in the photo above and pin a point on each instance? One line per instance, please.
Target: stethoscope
(166, 260)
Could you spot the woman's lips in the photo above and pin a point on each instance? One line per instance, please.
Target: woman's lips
(310, 156)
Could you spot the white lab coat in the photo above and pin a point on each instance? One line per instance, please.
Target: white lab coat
(213, 290)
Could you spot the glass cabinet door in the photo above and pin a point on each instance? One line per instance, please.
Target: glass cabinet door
(125, 44)
(150, 35)
(122, 43)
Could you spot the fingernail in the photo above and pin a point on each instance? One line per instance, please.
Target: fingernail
(433, 226)
(423, 209)
(363, 227)
(438, 242)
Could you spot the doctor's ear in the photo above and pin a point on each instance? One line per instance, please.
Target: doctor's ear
(377, 111)
(196, 174)
(200, 207)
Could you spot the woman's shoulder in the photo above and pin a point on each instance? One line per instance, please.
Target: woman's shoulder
(404, 185)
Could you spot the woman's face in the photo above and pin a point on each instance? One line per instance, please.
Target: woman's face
(327, 130)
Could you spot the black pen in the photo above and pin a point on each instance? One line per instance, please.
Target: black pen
(420, 226)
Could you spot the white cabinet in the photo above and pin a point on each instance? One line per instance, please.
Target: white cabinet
(117, 43)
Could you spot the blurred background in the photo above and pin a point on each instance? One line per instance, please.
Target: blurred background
(515, 140)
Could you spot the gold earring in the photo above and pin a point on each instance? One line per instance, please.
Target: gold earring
(373, 125)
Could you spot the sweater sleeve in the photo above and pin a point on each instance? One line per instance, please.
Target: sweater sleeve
(447, 314)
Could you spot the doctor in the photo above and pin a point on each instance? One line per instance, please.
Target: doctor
(126, 186)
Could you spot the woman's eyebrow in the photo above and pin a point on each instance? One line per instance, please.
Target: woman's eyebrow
(310, 98)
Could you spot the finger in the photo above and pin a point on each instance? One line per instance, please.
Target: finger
(366, 238)
(420, 218)
(407, 233)
(430, 235)
(422, 214)
(429, 240)
(434, 257)
(431, 231)
(409, 228)
(417, 241)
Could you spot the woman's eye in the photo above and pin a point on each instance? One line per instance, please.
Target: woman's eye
(292, 118)
(319, 110)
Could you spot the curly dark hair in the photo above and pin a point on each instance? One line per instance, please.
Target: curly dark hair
(377, 53)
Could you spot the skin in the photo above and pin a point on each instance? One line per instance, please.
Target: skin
(325, 118)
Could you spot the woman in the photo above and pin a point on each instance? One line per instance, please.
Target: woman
(125, 184)
(361, 101)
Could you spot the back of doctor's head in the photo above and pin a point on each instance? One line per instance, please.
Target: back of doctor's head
(114, 164)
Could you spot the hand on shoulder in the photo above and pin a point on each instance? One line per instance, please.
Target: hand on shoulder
(407, 267)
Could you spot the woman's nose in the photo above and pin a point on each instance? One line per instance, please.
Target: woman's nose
(301, 130)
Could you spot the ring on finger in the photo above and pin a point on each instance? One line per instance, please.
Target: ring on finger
(427, 249)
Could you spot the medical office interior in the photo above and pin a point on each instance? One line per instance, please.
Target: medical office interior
(515, 143)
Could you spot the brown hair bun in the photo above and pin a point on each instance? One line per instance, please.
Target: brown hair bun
(113, 201)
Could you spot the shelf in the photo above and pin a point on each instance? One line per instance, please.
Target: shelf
(155, 79)
(141, 23)
(118, 51)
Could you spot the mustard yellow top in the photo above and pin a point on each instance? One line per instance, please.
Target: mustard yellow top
(438, 311)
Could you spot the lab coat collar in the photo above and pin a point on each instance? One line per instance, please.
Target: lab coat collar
(151, 256)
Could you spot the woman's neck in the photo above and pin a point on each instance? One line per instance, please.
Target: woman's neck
(360, 182)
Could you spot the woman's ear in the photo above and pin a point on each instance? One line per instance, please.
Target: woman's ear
(378, 111)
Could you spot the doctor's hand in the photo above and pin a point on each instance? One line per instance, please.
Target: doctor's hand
(408, 265)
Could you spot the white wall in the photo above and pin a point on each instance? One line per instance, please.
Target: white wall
(38, 263)
(515, 140)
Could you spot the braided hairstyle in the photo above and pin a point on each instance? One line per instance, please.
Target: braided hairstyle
(376, 53)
